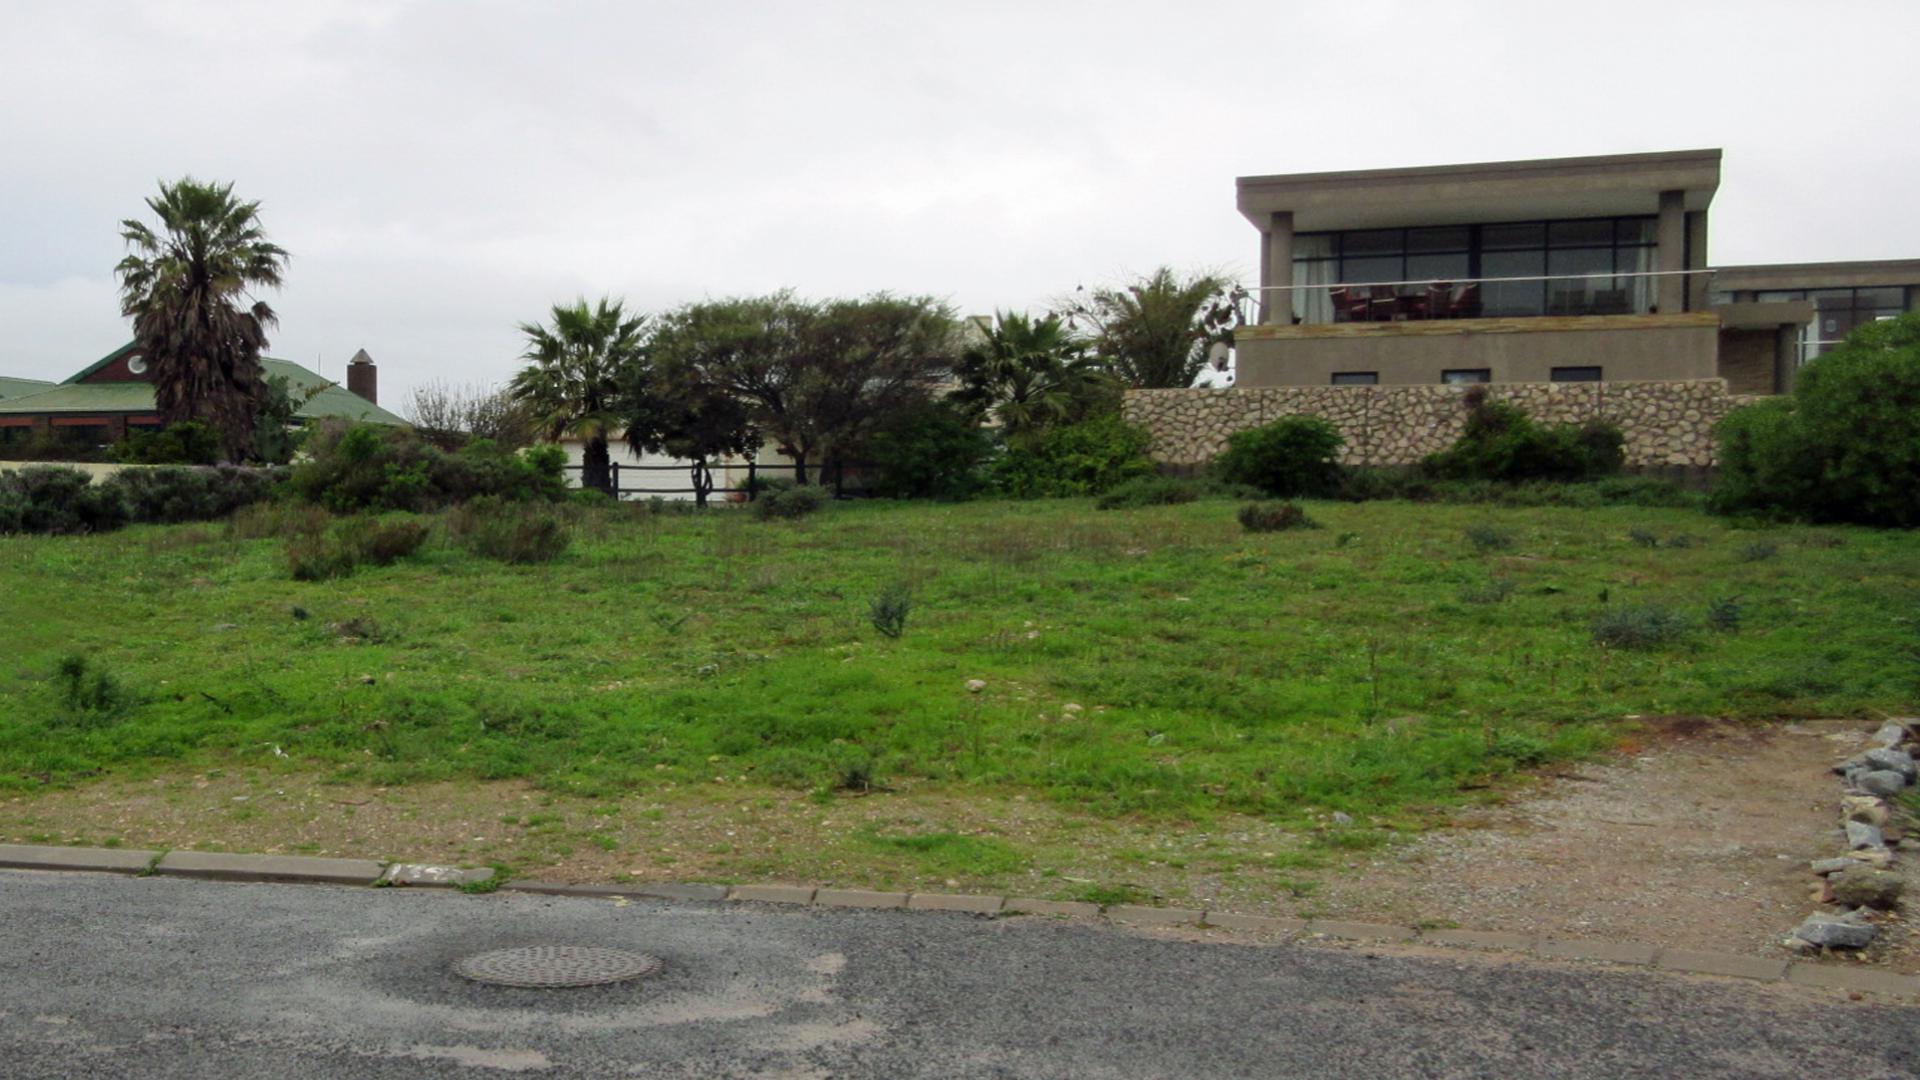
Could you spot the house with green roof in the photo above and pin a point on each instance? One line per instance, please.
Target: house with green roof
(113, 396)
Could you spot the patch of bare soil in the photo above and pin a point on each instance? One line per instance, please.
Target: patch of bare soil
(1699, 840)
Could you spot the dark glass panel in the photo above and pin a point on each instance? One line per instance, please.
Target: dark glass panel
(1449, 238)
(1511, 237)
(1635, 230)
(1371, 270)
(1437, 267)
(1371, 242)
(1580, 233)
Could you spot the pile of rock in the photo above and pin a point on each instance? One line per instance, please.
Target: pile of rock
(1860, 884)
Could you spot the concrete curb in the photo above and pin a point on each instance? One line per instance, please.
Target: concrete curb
(1853, 978)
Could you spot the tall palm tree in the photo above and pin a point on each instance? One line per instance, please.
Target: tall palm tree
(1156, 331)
(1027, 374)
(573, 381)
(187, 287)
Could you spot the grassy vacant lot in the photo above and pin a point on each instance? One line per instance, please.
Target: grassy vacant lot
(1148, 673)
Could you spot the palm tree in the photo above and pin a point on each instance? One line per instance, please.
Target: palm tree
(1156, 331)
(187, 287)
(1027, 374)
(573, 383)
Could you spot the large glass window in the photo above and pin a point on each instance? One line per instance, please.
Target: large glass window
(1587, 266)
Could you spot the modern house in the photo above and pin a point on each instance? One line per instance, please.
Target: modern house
(1588, 269)
(103, 402)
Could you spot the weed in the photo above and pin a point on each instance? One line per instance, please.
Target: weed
(1109, 895)
(91, 695)
(318, 557)
(1486, 538)
(383, 542)
(888, 611)
(792, 502)
(1274, 517)
(1639, 626)
(1490, 592)
(1758, 551)
(1645, 537)
(517, 533)
(1680, 540)
(1723, 613)
(1149, 491)
(1350, 839)
(1345, 538)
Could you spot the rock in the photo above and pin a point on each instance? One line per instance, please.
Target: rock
(1835, 931)
(1878, 857)
(1342, 819)
(1890, 760)
(1863, 886)
(1070, 708)
(974, 686)
(1833, 866)
(1883, 782)
(1861, 836)
(1870, 809)
(1891, 734)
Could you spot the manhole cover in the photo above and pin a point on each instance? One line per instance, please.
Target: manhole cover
(553, 966)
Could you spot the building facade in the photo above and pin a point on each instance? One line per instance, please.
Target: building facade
(1564, 270)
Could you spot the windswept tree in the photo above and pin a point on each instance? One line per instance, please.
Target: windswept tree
(576, 370)
(1028, 374)
(1156, 331)
(676, 410)
(188, 287)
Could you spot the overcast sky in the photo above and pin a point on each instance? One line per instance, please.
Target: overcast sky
(443, 170)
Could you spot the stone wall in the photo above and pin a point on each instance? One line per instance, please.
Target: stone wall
(1665, 423)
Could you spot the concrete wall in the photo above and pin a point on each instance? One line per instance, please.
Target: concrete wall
(1665, 423)
(1625, 347)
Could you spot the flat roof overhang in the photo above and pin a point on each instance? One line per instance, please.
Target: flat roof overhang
(1612, 185)
(1819, 275)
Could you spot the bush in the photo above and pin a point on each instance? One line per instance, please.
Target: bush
(888, 611)
(1087, 458)
(172, 494)
(1844, 447)
(1289, 458)
(1486, 538)
(1758, 551)
(318, 556)
(381, 542)
(270, 519)
(56, 500)
(187, 443)
(90, 695)
(1149, 491)
(790, 501)
(1644, 626)
(1723, 613)
(358, 467)
(1503, 443)
(511, 533)
(1274, 517)
(930, 451)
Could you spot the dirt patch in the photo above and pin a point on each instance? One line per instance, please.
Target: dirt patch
(1701, 840)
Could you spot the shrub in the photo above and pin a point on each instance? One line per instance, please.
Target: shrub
(1723, 613)
(1086, 458)
(382, 542)
(1490, 592)
(1486, 538)
(930, 451)
(1149, 491)
(189, 442)
(1844, 447)
(1644, 537)
(888, 610)
(172, 494)
(508, 532)
(791, 501)
(1758, 551)
(1503, 443)
(270, 519)
(356, 467)
(1289, 458)
(1643, 626)
(90, 695)
(1274, 517)
(318, 556)
(57, 500)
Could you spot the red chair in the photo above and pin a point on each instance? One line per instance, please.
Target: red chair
(1465, 301)
(1383, 305)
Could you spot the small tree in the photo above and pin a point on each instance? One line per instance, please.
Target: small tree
(676, 410)
(1292, 457)
(1156, 331)
(186, 287)
(573, 382)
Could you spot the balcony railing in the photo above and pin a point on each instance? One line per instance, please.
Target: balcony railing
(1615, 293)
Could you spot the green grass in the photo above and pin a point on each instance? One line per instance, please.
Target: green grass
(1215, 670)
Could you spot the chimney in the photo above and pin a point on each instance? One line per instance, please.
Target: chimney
(363, 378)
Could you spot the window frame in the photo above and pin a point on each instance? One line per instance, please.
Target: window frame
(1366, 378)
(1557, 374)
(1486, 376)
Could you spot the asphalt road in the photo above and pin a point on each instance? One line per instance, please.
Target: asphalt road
(106, 976)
